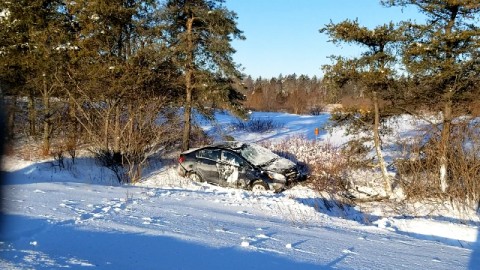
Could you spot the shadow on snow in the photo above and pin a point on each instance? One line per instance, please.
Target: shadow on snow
(42, 245)
(474, 262)
(337, 209)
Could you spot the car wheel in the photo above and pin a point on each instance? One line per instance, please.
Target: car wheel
(259, 186)
(195, 177)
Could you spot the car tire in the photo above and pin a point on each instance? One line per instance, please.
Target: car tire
(259, 186)
(195, 177)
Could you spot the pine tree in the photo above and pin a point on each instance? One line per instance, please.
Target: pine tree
(120, 80)
(442, 54)
(198, 33)
(33, 40)
(374, 69)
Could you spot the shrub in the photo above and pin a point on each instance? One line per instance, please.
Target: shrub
(357, 151)
(418, 167)
(325, 164)
(113, 161)
(198, 137)
(316, 110)
(259, 125)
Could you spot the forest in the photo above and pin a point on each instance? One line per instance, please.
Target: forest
(123, 79)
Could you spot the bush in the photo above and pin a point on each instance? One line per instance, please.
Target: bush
(198, 137)
(326, 165)
(316, 110)
(418, 168)
(259, 125)
(113, 161)
(357, 151)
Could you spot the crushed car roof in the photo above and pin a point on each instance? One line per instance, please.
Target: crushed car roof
(228, 145)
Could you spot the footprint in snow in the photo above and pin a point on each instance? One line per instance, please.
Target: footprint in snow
(70, 205)
(266, 236)
(147, 220)
(224, 230)
(246, 243)
(154, 221)
(69, 202)
(84, 217)
(98, 209)
(151, 193)
(349, 251)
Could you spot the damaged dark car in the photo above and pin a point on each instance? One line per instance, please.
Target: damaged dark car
(239, 164)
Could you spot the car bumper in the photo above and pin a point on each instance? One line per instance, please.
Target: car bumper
(277, 186)
(181, 171)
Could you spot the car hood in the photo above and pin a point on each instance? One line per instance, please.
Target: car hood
(279, 165)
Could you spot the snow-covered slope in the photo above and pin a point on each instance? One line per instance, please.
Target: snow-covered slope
(78, 218)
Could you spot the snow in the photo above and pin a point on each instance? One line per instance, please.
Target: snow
(292, 125)
(4, 14)
(257, 155)
(78, 218)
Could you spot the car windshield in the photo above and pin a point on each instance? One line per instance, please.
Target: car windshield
(257, 155)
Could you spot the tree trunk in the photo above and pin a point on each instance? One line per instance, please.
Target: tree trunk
(11, 112)
(72, 128)
(447, 112)
(47, 125)
(447, 125)
(187, 115)
(106, 130)
(117, 129)
(133, 117)
(32, 115)
(378, 149)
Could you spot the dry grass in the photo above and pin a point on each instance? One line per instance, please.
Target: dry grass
(325, 164)
(418, 168)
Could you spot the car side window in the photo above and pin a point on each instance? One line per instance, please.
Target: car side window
(213, 154)
(231, 158)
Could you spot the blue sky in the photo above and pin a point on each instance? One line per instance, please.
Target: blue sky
(283, 37)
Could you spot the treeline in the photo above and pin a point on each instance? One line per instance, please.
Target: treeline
(291, 93)
(301, 94)
(113, 74)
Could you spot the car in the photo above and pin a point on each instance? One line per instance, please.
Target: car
(239, 164)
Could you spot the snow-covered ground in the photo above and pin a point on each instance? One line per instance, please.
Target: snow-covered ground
(78, 217)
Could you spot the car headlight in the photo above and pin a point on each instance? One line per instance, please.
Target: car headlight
(277, 176)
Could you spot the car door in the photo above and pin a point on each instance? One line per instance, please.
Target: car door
(206, 165)
(232, 169)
